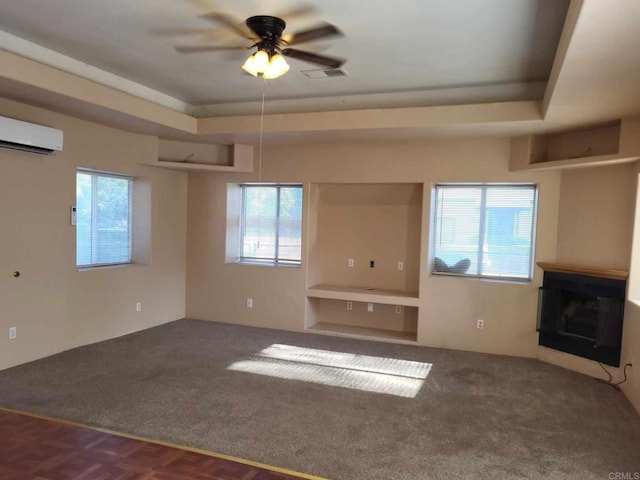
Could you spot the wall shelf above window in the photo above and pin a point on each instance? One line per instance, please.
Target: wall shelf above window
(595, 146)
(192, 157)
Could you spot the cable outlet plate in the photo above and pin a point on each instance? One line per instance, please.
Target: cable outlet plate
(369, 307)
(13, 333)
(249, 303)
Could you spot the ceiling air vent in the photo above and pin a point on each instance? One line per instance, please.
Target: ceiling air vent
(324, 73)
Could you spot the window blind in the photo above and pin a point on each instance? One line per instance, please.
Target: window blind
(103, 218)
(272, 223)
(484, 230)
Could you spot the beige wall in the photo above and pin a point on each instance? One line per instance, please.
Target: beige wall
(596, 228)
(53, 306)
(596, 216)
(449, 307)
(631, 353)
(631, 332)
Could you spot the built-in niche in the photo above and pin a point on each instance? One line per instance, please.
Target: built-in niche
(605, 144)
(364, 259)
(597, 141)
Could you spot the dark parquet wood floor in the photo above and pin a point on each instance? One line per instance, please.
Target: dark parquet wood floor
(38, 449)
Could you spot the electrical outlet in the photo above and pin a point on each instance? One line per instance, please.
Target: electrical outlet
(13, 333)
(249, 302)
(398, 308)
(349, 305)
(372, 263)
(480, 324)
(401, 266)
(138, 306)
(350, 263)
(369, 307)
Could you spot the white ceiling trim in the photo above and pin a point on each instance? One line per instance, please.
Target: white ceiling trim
(570, 23)
(33, 51)
(472, 94)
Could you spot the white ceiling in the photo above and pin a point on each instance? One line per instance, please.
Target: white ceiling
(399, 53)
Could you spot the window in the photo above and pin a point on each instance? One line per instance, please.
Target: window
(103, 218)
(271, 224)
(484, 230)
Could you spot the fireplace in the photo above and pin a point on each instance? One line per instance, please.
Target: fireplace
(580, 311)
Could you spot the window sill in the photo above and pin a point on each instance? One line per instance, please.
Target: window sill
(510, 281)
(265, 264)
(107, 267)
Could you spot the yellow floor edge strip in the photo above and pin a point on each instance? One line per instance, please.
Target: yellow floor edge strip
(166, 444)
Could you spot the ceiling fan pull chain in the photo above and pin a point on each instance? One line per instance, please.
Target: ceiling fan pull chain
(264, 88)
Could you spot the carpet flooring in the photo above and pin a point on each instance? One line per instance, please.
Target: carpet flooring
(337, 407)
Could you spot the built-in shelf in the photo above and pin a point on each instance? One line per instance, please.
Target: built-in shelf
(363, 271)
(580, 162)
(363, 294)
(363, 332)
(595, 146)
(613, 273)
(240, 160)
(198, 167)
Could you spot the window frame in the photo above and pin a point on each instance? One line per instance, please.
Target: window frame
(275, 261)
(481, 229)
(95, 174)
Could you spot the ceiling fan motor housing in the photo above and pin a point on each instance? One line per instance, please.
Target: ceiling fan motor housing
(267, 27)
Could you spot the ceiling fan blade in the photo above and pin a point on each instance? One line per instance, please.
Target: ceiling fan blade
(330, 62)
(315, 33)
(205, 48)
(231, 23)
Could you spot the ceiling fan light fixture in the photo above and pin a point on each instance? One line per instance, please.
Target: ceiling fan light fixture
(261, 60)
(277, 67)
(256, 63)
(250, 66)
(270, 66)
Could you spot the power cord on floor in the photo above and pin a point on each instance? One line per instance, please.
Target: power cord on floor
(610, 380)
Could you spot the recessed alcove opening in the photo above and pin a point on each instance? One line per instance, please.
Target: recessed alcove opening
(584, 143)
(364, 248)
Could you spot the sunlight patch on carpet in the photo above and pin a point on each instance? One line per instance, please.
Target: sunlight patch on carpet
(391, 376)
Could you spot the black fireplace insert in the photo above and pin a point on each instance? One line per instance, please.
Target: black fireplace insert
(582, 315)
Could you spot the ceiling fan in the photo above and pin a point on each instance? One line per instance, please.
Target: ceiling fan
(266, 33)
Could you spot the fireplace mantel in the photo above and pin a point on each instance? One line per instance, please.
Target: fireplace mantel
(613, 273)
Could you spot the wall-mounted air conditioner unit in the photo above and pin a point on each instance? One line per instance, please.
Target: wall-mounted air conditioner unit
(29, 137)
